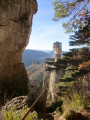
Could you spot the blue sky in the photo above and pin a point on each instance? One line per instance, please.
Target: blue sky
(45, 31)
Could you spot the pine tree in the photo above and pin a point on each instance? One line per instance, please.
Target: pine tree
(74, 10)
(76, 62)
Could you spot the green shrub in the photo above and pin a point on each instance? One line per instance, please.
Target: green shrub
(34, 91)
(74, 102)
(13, 115)
(56, 106)
(77, 101)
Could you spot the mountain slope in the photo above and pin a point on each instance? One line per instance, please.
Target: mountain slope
(33, 56)
(35, 72)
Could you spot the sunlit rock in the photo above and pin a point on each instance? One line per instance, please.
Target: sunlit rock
(57, 47)
(51, 74)
(15, 28)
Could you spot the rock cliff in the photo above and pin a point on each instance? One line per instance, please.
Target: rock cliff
(15, 28)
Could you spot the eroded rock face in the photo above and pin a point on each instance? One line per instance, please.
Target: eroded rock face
(18, 103)
(16, 109)
(52, 76)
(15, 29)
(53, 81)
(57, 47)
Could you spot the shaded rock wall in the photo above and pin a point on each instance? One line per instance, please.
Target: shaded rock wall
(15, 28)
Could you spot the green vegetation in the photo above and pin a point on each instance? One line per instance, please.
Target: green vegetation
(74, 10)
(55, 106)
(35, 72)
(12, 115)
(75, 102)
(34, 91)
(74, 86)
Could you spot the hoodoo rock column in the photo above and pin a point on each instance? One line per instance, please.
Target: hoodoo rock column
(15, 29)
(52, 74)
(57, 48)
(55, 75)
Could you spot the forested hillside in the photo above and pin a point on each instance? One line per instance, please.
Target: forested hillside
(34, 56)
(35, 72)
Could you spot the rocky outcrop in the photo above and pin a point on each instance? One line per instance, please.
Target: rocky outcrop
(52, 74)
(17, 104)
(16, 109)
(57, 47)
(50, 81)
(53, 81)
(15, 28)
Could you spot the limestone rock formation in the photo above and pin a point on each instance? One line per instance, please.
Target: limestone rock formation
(15, 28)
(16, 109)
(51, 78)
(57, 47)
(53, 81)
(17, 103)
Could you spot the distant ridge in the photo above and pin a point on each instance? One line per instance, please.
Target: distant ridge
(31, 56)
(36, 56)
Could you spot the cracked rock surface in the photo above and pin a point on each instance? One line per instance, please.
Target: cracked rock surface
(15, 28)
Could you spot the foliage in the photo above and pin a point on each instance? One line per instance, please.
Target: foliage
(75, 102)
(76, 71)
(84, 65)
(13, 115)
(75, 64)
(35, 72)
(77, 60)
(82, 36)
(55, 106)
(76, 10)
(34, 91)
